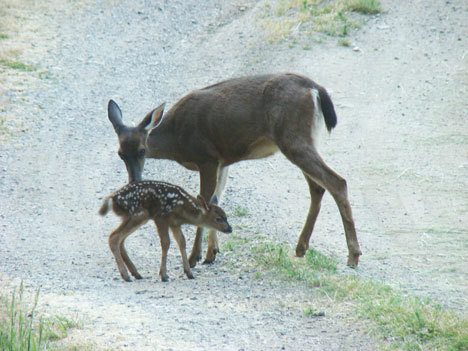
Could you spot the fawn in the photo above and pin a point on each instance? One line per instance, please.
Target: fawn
(169, 206)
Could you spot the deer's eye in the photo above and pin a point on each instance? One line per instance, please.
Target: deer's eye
(141, 152)
(219, 220)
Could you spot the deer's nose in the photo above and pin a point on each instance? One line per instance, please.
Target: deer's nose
(228, 229)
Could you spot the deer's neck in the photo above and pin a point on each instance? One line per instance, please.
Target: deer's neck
(162, 143)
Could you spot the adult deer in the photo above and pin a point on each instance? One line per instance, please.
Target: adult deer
(241, 119)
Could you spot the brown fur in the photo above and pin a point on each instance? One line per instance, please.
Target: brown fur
(169, 206)
(247, 118)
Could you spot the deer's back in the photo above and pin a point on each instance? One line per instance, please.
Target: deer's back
(237, 118)
(156, 199)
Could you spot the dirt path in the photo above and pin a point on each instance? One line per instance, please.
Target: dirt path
(401, 142)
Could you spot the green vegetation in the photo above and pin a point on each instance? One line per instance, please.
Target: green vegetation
(344, 42)
(404, 322)
(312, 312)
(334, 18)
(17, 65)
(3, 36)
(234, 242)
(20, 328)
(240, 211)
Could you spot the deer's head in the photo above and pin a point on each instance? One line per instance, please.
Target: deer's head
(213, 216)
(132, 140)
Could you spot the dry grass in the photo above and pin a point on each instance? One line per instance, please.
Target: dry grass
(285, 19)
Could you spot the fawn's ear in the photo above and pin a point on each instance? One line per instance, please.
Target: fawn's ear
(214, 200)
(115, 116)
(152, 119)
(203, 203)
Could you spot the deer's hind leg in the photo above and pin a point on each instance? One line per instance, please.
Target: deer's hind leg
(301, 151)
(116, 240)
(316, 194)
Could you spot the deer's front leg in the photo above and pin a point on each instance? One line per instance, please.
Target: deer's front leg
(208, 180)
(213, 247)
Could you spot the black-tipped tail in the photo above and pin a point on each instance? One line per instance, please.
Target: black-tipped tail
(328, 109)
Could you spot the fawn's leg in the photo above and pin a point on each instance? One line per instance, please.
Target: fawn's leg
(179, 237)
(131, 267)
(213, 246)
(208, 178)
(163, 232)
(116, 238)
(316, 194)
(301, 151)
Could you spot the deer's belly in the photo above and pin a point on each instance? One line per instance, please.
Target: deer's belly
(261, 148)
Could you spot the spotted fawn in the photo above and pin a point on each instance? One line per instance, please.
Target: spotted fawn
(169, 206)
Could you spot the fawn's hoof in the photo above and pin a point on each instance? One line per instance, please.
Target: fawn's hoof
(164, 278)
(189, 275)
(137, 276)
(126, 278)
(211, 256)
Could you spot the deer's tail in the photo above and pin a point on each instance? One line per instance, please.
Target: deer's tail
(325, 105)
(105, 206)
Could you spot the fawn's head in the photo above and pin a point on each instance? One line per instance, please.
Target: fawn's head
(132, 140)
(213, 216)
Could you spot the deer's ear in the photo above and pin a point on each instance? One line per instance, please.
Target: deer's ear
(115, 116)
(203, 203)
(214, 200)
(153, 119)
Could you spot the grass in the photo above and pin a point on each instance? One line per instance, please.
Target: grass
(286, 18)
(3, 36)
(344, 42)
(240, 211)
(17, 65)
(402, 322)
(21, 328)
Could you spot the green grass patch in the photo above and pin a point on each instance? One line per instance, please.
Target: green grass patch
(313, 312)
(240, 211)
(21, 328)
(368, 7)
(344, 42)
(233, 243)
(16, 65)
(286, 18)
(3, 36)
(402, 322)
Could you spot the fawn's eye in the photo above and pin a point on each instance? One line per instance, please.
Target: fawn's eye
(219, 220)
(141, 152)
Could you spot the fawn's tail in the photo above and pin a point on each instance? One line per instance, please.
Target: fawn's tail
(105, 206)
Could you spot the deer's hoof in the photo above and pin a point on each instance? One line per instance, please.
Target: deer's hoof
(137, 276)
(189, 275)
(164, 278)
(353, 260)
(193, 260)
(301, 250)
(126, 278)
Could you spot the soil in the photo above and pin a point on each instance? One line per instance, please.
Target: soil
(400, 92)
